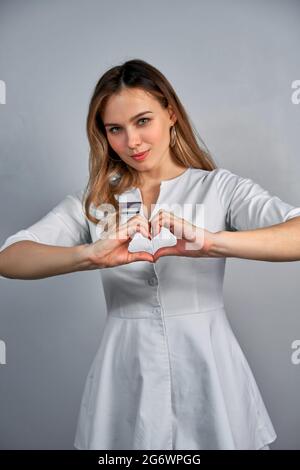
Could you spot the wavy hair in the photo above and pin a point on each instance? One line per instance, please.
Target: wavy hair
(109, 175)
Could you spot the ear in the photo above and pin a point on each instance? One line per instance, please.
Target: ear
(172, 115)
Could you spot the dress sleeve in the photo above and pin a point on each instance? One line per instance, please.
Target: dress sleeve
(249, 206)
(65, 225)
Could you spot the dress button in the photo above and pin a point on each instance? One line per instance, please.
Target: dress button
(152, 281)
(156, 310)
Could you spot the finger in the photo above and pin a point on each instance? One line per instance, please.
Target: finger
(165, 251)
(140, 256)
(145, 223)
(168, 220)
(181, 228)
(139, 222)
(137, 229)
(128, 229)
(189, 231)
(161, 219)
(138, 218)
(143, 227)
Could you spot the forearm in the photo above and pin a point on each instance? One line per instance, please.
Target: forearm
(31, 260)
(279, 242)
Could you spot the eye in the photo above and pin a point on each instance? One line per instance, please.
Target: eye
(142, 119)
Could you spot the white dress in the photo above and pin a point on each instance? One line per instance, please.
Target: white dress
(169, 372)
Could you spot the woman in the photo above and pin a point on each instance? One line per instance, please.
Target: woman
(169, 372)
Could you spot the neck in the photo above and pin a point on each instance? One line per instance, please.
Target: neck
(152, 178)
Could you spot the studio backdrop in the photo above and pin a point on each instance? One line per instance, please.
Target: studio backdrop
(236, 68)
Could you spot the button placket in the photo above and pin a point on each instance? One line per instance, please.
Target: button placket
(153, 281)
(159, 311)
(156, 310)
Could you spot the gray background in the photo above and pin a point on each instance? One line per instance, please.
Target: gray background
(232, 64)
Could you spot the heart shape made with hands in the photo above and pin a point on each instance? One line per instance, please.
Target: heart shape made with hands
(162, 239)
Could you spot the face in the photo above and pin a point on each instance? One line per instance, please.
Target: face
(150, 131)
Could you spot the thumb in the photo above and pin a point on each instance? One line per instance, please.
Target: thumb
(165, 251)
(140, 256)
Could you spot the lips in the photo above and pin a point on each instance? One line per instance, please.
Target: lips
(140, 156)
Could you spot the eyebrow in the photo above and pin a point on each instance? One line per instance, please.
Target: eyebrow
(131, 119)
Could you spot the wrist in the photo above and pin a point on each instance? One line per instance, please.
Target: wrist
(218, 245)
(83, 258)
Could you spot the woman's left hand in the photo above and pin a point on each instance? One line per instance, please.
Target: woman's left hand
(192, 241)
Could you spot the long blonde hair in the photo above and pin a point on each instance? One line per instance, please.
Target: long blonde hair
(108, 174)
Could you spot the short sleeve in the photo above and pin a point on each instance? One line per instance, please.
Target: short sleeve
(65, 225)
(249, 206)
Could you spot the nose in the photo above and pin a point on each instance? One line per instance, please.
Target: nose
(133, 139)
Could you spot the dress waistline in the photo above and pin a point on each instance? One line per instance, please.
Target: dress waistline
(157, 312)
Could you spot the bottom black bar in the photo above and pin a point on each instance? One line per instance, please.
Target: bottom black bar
(132, 458)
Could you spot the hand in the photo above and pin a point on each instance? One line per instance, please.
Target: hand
(112, 249)
(192, 241)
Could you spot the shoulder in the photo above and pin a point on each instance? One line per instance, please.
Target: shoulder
(216, 173)
(222, 183)
(220, 176)
(78, 195)
(72, 204)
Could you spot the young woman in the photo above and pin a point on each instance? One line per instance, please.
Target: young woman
(169, 372)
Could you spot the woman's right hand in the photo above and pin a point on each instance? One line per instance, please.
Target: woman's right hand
(112, 249)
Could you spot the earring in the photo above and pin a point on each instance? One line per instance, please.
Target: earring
(114, 179)
(173, 136)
